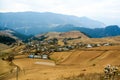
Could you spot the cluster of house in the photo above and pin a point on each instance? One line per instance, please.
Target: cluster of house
(42, 49)
(39, 56)
(98, 45)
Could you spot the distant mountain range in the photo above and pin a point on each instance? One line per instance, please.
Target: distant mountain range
(36, 22)
(112, 30)
(26, 23)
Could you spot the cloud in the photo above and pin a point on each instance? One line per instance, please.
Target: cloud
(97, 9)
(12, 6)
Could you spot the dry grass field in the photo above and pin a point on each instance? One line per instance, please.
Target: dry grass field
(3, 46)
(68, 64)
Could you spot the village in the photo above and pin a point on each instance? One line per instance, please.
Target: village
(43, 49)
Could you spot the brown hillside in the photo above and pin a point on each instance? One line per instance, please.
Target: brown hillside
(7, 33)
(61, 35)
(114, 40)
(73, 34)
(69, 63)
(102, 56)
(3, 46)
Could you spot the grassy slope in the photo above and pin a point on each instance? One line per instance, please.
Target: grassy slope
(3, 46)
(99, 55)
(70, 63)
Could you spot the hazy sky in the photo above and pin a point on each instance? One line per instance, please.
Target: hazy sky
(107, 11)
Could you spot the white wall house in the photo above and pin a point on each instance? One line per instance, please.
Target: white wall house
(89, 46)
(44, 56)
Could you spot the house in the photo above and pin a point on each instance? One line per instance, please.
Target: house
(65, 49)
(30, 56)
(98, 45)
(59, 49)
(70, 47)
(37, 56)
(106, 44)
(89, 46)
(34, 55)
(44, 56)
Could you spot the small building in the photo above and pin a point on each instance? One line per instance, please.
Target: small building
(107, 44)
(98, 45)
(44, 56)
(65, 49)
(30, 56)
(89, 46)
(36, 56)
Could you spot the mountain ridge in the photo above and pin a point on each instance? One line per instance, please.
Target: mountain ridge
(111, 30)
(33, 22)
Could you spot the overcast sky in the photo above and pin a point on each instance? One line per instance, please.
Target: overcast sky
(106, 11)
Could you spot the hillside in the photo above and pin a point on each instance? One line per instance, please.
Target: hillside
(68, 63)
(8, 33)
(12, 33)
(115, 39)
(9, 36)
(99, 56)
(3, 46)
(62, 35)
(76, 37)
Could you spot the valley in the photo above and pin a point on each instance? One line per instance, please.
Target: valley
(60, 56)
